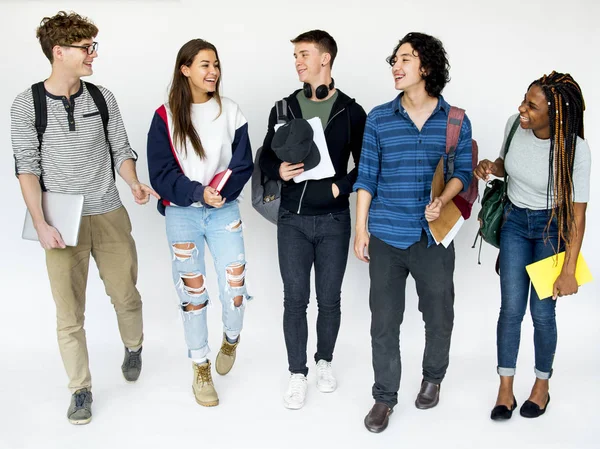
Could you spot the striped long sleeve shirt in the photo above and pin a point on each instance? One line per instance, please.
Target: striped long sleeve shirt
(74, 157)
(396, 167)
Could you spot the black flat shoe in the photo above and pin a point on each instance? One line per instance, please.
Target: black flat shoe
(532, 410)
(502, 412)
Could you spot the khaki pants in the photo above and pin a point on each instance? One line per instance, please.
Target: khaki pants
(107, 237)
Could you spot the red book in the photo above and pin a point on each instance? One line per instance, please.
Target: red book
(220, 179)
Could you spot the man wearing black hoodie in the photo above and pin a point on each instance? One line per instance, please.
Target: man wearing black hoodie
(314, 218)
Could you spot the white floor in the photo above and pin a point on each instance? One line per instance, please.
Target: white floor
(160, 411)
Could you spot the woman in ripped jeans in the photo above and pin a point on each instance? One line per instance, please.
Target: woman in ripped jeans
(199, 159)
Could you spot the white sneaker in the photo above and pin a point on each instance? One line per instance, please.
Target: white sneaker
(296, 393)
(326, 383)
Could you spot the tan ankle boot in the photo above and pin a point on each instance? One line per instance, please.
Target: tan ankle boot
(226, 356)
(203, 387)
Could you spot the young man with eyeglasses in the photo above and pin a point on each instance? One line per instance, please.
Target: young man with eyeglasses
(313, 226)
(75, 156)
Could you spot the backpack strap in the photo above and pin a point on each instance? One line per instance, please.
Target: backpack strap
(41, 112)
(38, 92)
(100, 102)
(281, 109)
(509, 138)
(453, 127)
(511, 134)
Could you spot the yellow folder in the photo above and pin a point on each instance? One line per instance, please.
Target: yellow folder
(544, 272)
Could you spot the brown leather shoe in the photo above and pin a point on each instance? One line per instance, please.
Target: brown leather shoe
(429, 396)
(377, 419)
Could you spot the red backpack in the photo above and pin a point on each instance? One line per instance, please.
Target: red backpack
(464, 200)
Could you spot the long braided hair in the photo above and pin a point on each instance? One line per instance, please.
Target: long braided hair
(565, 113)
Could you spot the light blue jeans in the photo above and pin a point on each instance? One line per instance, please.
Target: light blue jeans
(222, 230)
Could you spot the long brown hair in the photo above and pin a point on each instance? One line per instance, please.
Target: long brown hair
(180, 96)
(565, 113)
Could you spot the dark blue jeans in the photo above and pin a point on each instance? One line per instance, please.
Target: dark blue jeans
(304, 241)
(433, 270)
(524, 240)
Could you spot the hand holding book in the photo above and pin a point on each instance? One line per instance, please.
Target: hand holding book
(212, 192)
(544, 273)
(220, 179)
(449, 220)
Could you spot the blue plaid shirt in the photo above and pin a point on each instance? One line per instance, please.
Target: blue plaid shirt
(396, 167)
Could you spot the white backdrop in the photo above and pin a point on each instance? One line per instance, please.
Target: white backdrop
(495, 49)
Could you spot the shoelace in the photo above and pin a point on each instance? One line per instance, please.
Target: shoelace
(297, 386)
(228, 348)
(135, 359)
(324, 370)
(80, 399)
(204, 374)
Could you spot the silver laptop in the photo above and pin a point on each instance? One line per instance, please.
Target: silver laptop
(61, 210)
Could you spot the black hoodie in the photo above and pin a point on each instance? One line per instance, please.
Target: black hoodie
(344, 135)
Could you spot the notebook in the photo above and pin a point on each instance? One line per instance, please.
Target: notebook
(544, 272)
(61, 210)
(220, 179)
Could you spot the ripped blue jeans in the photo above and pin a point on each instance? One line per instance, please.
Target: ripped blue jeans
(187, 230)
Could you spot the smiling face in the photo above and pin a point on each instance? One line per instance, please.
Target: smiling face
(534, 112)
(76, 61)
(309, 62)
(406, 69)
(203, 73)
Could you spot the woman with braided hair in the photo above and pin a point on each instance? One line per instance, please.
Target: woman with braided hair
(549, 167)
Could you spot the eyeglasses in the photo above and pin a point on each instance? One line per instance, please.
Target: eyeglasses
(88, 48)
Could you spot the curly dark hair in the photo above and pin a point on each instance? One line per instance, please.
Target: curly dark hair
(433, 57)
(64, 29)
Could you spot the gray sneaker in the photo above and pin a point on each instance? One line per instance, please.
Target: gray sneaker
(80, 410)
(132, 365)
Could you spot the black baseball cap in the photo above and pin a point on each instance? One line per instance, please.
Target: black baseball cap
(293, 143)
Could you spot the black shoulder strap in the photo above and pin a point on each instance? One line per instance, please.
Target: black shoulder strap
(100, 104)
(511, 134)
(41, 113)
(509, 139)
(281, 109)
(38, 92)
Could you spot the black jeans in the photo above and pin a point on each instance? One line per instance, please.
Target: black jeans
(304, 240)
(432, 268)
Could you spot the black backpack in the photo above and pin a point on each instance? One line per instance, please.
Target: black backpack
(41, 113)
(266, 192)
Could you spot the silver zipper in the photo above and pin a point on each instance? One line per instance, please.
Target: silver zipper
(336, 114)
(302, 196)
